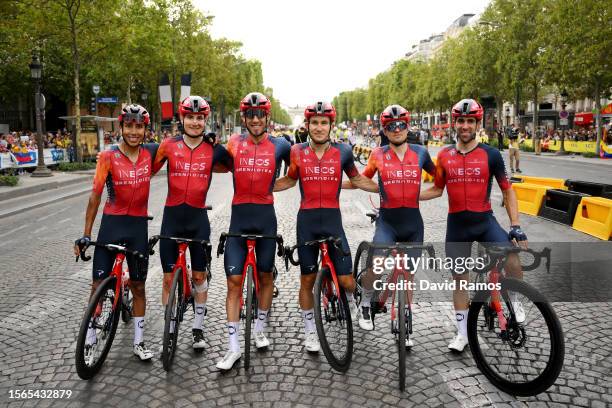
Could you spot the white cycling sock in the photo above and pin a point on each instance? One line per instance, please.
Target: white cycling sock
(262, 318)
(461, 316)
(139, 323)
(91, 334)
(233, 329)
(309, 323)
(198, 319)
(366, 298)
(350, 297)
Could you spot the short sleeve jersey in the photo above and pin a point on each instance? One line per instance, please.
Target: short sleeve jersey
(127, 183)
(321, 179)
(189, 170)
(256, 166)
(399, 181)
(469, 177)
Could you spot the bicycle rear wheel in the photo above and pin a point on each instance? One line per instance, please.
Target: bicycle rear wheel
(333, 322)
(127, 301)
(401, 332)
(172, 319)
(251, 301)
(525, 359)
(100, 316)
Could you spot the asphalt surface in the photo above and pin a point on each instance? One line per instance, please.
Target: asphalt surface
(43, 294)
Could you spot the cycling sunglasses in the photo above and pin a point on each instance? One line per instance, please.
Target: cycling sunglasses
(251, 113)
(393, 126)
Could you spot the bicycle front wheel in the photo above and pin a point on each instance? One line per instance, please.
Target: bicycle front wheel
(527, 357)
(172, 319)
(333, 322)
(401, 332)
(100, 316)
(251, 303)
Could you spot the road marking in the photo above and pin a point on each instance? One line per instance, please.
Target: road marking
(52, 214)
(360, 206)
(14, 230)
(36, 231)
(64, 220)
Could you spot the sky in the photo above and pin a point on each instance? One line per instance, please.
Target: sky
(313, 50)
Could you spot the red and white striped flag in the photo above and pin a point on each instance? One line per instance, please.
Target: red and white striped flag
(165, 97)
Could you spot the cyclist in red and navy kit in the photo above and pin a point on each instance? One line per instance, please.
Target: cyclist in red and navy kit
(126, 172)
(191, 158)
(318, 166)
(257, 159)
(467, 170)
(399, 166)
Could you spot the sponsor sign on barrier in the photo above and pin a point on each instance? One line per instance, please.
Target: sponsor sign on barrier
(30, 159)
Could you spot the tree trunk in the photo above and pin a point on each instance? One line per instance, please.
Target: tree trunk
(535, 111)
(77, 88)
(598, 118)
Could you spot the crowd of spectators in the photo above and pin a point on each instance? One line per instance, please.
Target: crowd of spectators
(25, 141)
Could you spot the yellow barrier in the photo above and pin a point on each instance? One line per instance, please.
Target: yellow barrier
(543, 181)
(594, 217)
(572, 146)
(529, 197)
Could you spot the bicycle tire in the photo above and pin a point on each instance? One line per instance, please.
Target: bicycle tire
(248, 316)
(401, 333)
(127, 303)
(340, 309)
(85, 371)
(557, 346)
(173, 312)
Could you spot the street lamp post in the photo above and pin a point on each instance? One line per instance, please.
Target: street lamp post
(507, 116)
(144, 96)
(564, 96)
(39, 104)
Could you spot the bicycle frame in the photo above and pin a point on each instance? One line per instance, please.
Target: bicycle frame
(326, 262)
(250, 261)
(392, 278)
(181, 262)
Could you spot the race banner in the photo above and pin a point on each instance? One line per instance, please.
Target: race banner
(24, 159)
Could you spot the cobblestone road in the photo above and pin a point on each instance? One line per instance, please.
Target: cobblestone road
(43, 293)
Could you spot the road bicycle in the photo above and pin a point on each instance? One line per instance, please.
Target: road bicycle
(396, 286)
(520, 356)
(180, 296)
(331, 312)
(111, 299)
(250, 294)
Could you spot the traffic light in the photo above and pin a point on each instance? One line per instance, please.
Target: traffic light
(92, 105)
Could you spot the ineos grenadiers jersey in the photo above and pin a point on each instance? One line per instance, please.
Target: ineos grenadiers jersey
(190, 170)
(256, 167)
(469, 177)
(127, 183)
(321, 179)
(399, 181)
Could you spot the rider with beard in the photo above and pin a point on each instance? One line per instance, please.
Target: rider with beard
(191, 157)
(399, 166)
(467, 170)
(318, 165)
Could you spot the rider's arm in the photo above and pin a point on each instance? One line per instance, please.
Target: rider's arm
(91, 212)
(292, 176)
(284, 183)
(368, 172)
(160, 157)
(437, 189)
(222, 160)
(511, 206)
(363, 183)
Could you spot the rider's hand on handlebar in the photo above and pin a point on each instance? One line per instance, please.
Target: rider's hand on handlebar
(81, 243)
(517, 236)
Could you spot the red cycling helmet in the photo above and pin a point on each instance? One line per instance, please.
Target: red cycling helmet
(320, 109)
(134, 113)
(255, 100)
(467, 108)
(194, 104)
(393, 113)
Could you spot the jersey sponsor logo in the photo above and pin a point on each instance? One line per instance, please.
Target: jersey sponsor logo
(117, 155)
(134, 173)
(388, 156)
(324, 170)
(180, 145)
(464, 171)
(252, 161)
(402, 173)
(186, 166)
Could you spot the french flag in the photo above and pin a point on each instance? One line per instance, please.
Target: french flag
(165, 97)
(185, 86)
